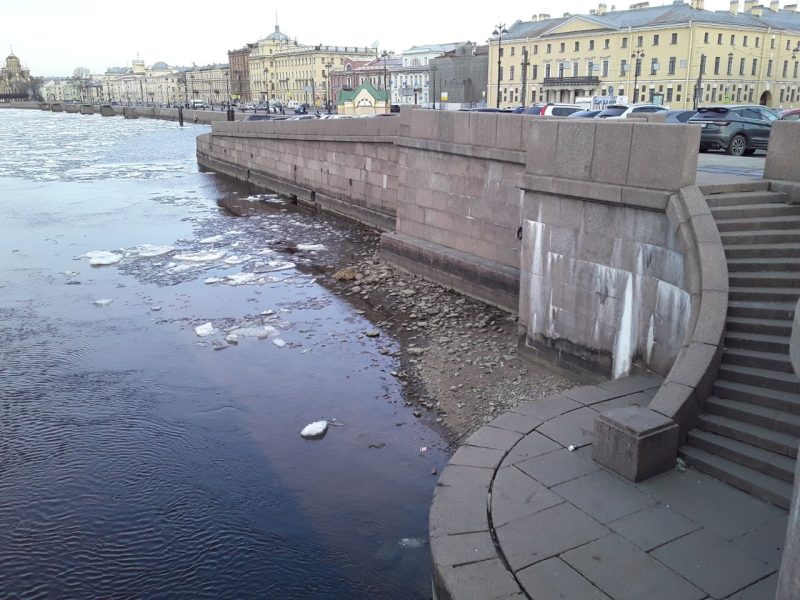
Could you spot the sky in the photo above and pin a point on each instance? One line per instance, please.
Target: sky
(53, 37)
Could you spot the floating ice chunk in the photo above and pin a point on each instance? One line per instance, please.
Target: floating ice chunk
(204, 329)
(232, 338)
(310, 247)
(315, 429)
(412, 542)
(278, 342)
(261, 333)
(150, 250)
(236, 259)
(280, 265)
(70, 273)
(212, 240)
(103, 302)
(211, 280)
(99, 258)
(241, 278)
(200, 256)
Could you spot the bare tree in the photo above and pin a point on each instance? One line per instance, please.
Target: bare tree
(81, 73)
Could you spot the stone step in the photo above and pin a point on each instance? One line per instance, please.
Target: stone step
(780, 263)
(782, 311)
(759, 223)
(773, 380)
(770, 294)
(756, 236)
(767, 326)
(737, 251)
(761, 342)
(743, 197)
(762, 416)
(762, 437)
(763, 461)
(751, 481)
(769, 361)
(766, 279)
(748, 211)
(758, 396)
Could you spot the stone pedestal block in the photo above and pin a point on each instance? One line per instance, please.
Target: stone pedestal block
(635, 442)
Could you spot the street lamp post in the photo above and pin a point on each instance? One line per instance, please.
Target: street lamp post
(499, 30)
(328, 99)
(433, 75)
(698, 88)
(638, 55)
(227, 87)
(525, 64)
(191, 77)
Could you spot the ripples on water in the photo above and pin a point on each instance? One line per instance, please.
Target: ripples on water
(138, 460)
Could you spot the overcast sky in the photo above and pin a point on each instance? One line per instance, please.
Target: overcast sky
(52, 37)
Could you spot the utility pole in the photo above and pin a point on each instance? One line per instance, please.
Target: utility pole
(499, 30)
(698, 88)
(433, 74)
(525, 64)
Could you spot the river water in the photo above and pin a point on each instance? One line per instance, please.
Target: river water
(139, 459)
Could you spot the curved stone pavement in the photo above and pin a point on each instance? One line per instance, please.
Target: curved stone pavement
(522, 511)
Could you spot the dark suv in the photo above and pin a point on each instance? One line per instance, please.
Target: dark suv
(737, 129)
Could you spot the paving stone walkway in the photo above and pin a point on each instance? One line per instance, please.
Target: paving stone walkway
(522, 511)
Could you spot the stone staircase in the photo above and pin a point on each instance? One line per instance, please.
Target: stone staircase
(749, 431)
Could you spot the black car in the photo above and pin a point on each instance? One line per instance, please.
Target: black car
(738, 129)
(678, 116)
(613, 110)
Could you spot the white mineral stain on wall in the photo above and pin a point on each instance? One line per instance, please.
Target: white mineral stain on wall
(625, 343)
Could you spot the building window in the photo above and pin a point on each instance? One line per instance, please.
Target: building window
(669, 94)
(705, 37)
(769, 68)
(640, 41)
(795, 69)
(781, 100)
(547, 70)
(758, 42)
(589, 68)
(772, 44)
(671, 66)
(730, 64)
(785, 68)
(744, 41)
(714, 95)
(716, 66)
(512, 51)
(605, 69)
(655, 40)
(623, 68)
(549, 48)
(654, 66)
(511, 73)
(591, 44)
(788, 42)
(674, 39)
(679, 89)
(563, 47)
(755, 66)
(742, 65)
(733, 40)
(606, 43)
(719, 39)
(624, 42)
(575, 69)
(500, 74)
(577, 46)
(535, 72)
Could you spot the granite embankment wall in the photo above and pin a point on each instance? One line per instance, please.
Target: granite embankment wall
(166, 114)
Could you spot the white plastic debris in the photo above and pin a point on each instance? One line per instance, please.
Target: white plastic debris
(99, 258)
(103, 302)
(315, 429)
(204, 330)
(278, 342)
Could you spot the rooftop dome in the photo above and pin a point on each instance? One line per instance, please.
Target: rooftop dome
(160, 66)
(277, 35)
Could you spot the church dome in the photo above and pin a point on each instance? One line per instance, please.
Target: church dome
(277, 35)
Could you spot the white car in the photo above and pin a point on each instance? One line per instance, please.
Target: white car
(640, 110)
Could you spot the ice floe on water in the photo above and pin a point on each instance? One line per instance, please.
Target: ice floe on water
(314, 430)
(201, 256)
(204, 330)
(149, 250)
(103, 302)
(235, 259)
(98, 258)
(214, 239)
(278, 342)
(310, 247)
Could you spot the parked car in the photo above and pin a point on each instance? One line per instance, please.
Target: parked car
(792, 114)
(639, 110)
(612, 110)
(552, 109)
(679, 116)
(259, 118)
(584, 114)
(739, 129)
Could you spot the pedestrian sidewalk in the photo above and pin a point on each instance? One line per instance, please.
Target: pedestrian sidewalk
(522, 511)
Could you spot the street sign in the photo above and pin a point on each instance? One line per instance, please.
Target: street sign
(444, 97)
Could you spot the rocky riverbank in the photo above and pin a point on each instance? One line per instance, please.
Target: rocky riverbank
(459, 356)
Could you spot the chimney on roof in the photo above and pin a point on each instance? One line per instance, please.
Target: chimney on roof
(734, 7)
(602, 8)
(543, 16)
(775, 5)
(698, 4)
(748, 5)
(592, 11)
(790, 8)
(567, 15)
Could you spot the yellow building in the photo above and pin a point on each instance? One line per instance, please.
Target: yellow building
(284, 70)
(651, 54)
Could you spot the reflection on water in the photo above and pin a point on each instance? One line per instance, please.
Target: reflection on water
(139, 459)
